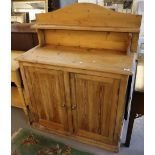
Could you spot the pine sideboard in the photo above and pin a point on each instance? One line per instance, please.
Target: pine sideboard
(76, 78)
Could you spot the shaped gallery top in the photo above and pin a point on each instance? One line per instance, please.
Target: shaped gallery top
(87, 16)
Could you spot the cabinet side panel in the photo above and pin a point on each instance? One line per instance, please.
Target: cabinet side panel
(120, 109)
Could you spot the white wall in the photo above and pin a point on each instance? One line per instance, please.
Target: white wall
(99, 2)
(138, 8)
(89, 1)
(66, 2)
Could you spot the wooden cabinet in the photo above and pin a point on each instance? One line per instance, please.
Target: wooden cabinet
(23, 37)
(75, 80)
(84, 106)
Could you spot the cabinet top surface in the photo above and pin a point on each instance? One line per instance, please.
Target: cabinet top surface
(81, 58)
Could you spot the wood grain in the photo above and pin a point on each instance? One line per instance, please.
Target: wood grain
(120, 109)
(15, 98)
(88, 39)
(73, 70)
(67, 100)
(134, 42)
(76, 79)
(41, 37)
(87, 14)
(81, 21)
(93, 100)
(46, 95)
(85, 28)
(89, 59)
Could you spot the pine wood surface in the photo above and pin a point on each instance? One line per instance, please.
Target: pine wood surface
(92, 123)
(76, 79)
(87, 14)
(89, 17)
(17, 93)
(91, 106)
(15, 73)
(47, 99)
(84, 28)
(90, 59)
(16, 100)
(14, 63)
(88, 39)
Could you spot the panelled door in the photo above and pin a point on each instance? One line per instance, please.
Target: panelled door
(47, 99)
(94, 106)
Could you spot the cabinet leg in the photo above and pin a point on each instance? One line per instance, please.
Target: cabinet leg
(130, 127)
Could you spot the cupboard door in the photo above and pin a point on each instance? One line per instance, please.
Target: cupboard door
(47, 100)
(94, 106)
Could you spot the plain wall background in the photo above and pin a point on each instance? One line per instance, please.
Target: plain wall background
(66, 2)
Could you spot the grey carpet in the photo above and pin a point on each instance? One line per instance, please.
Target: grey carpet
(137, 140)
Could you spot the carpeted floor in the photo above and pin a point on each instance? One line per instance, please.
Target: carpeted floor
(30, 142)
(136, 147)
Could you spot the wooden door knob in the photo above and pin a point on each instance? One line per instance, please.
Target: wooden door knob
(73, 107)
(63, 105)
